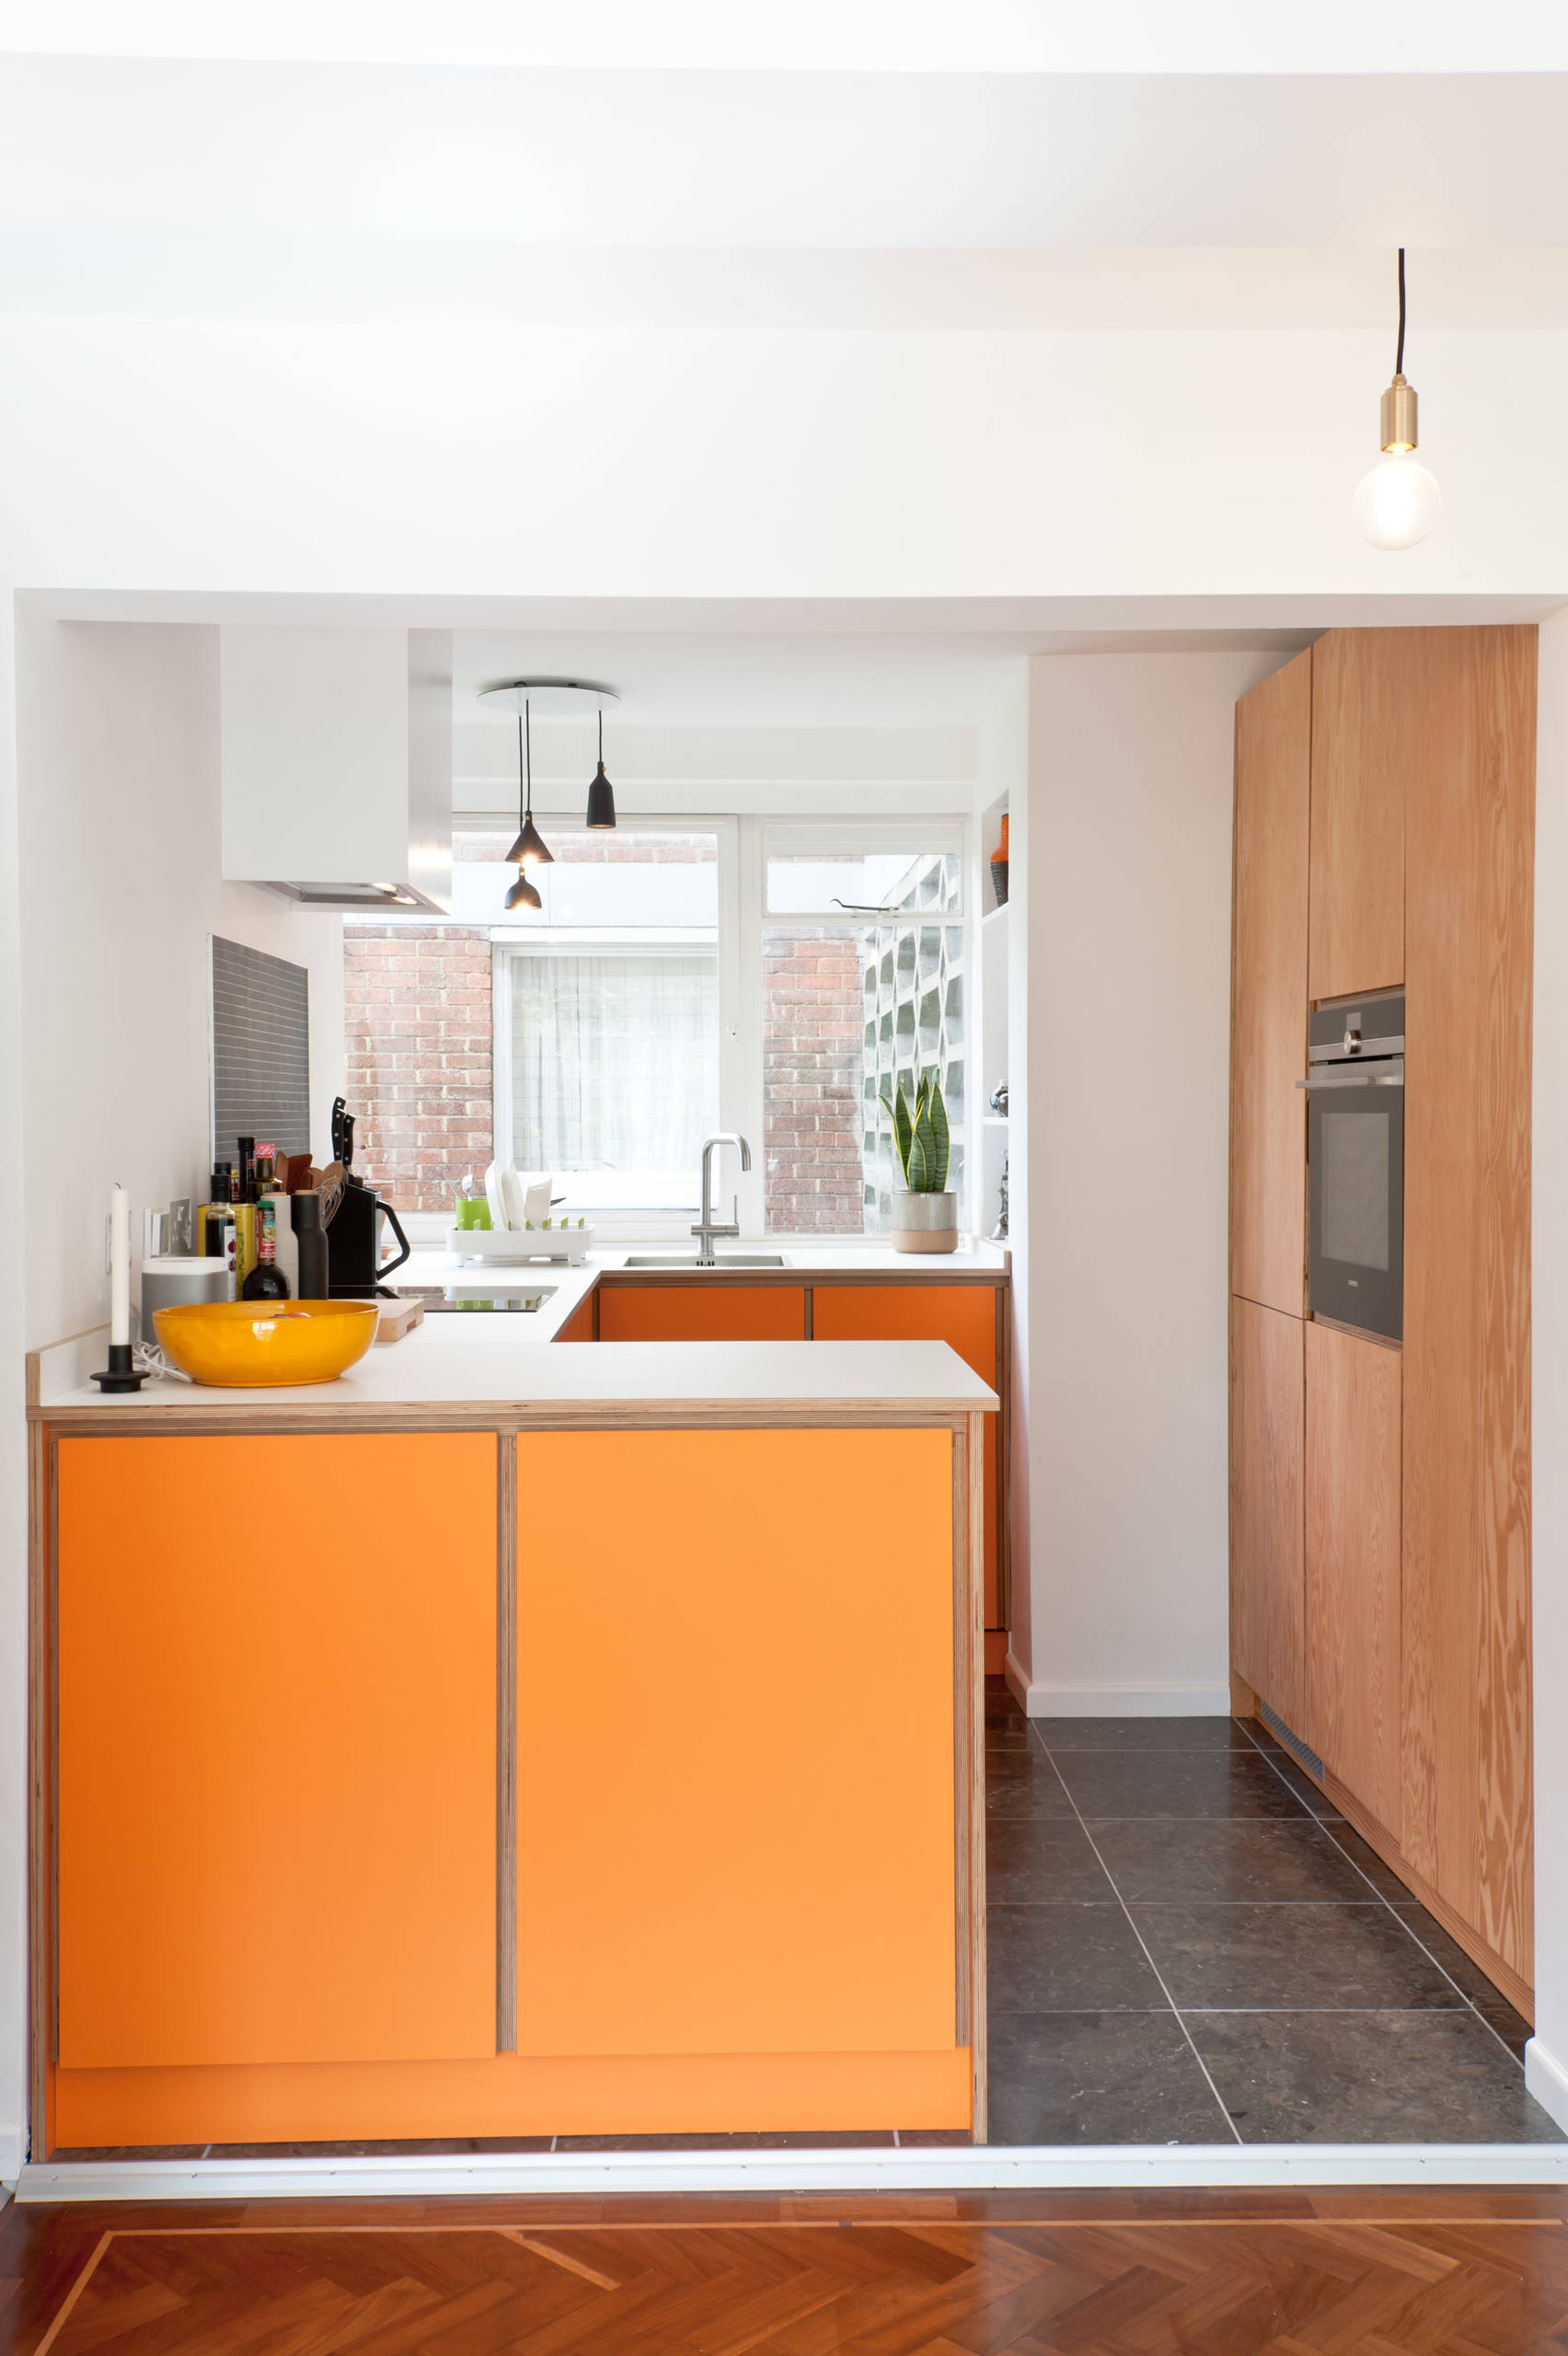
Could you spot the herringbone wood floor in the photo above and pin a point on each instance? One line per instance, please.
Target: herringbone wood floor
(1478, 2274)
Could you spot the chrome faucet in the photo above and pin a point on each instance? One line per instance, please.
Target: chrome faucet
(707, 1229)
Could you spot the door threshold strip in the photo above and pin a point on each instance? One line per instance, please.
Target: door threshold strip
(949, 2168)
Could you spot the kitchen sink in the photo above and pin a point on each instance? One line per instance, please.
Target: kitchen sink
(721, 1260)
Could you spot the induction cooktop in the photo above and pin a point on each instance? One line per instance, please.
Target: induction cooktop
(439, 1299)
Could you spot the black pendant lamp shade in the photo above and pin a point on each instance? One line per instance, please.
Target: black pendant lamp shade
(601, 792)
(524, 895)
(530, 849)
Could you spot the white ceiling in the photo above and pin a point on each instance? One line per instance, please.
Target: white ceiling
(640, 159)
(910, 36)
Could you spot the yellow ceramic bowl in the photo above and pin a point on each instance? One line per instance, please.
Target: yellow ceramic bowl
(259, 1342)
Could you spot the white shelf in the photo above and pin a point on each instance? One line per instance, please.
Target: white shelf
(992, 914)
(994, 1120)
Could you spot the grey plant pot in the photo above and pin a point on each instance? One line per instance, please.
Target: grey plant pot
(924, 1222)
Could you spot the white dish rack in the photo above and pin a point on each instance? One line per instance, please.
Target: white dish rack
(517, 1246)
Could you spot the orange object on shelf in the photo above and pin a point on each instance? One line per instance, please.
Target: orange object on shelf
(1001, 849)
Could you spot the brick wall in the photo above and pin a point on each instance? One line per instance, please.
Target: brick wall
(811, 1081)
(416, 1015)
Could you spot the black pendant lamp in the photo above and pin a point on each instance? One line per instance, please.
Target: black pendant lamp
(530, 849)
(601, 792)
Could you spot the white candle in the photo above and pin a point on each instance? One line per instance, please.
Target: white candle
(119, 1266)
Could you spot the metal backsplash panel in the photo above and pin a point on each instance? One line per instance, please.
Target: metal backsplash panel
(261, 1049)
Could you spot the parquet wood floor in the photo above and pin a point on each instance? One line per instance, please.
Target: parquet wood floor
(1288, 2274)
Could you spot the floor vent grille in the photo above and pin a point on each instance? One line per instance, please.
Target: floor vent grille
(1292, 1742)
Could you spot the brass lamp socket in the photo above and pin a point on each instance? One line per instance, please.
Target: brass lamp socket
(1397, 416)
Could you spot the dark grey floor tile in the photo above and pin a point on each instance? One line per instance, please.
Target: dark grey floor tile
(1227, 1863)
(924, 2137)
(1099, 2078)
(1423, 2077)
(1315, 1802)
(1001, 1703)
(1382, 1877)
(1141, 1734)
(1025, 1783)
(1175, 1783)
(1006, 1734)
(1448, 1954)
(1510, 2026)
(1270, 1958)
(1067, 1959)
(1038, 1861)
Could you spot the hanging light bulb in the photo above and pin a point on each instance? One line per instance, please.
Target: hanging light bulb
(530, 849)
(601, 792)
(1397, 504)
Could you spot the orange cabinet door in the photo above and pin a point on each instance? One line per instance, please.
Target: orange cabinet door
(691, 1883)
(277, 1784)
(702, 1312)
(961, 1315)
(579, 1326)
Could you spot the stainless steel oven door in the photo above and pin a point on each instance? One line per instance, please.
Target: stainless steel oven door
(1355, 1195)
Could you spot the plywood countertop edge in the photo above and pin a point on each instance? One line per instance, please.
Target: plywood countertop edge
(490, 1413)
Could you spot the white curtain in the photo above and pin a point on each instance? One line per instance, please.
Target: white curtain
(615, 1065)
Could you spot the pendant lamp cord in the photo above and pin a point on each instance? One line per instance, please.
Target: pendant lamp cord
(524, 766)
(601, 736)
(520, 772)
(1398, 353)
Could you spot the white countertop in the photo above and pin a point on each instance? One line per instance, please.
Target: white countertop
(485, 1363)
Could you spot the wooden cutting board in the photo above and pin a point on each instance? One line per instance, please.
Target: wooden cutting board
(397, 1318)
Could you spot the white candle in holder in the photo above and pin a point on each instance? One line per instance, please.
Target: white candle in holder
(119, 1266)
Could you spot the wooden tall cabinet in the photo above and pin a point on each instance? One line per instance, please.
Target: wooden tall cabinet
(1268, 1000)
(1267, 1597)
(1352, 1715)
(1364, 756)
(1403, 1494)
(1469, 893)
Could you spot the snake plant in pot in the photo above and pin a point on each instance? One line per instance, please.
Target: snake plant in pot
(925, 1216)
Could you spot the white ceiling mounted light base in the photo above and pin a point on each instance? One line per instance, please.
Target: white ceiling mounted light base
(550, 699)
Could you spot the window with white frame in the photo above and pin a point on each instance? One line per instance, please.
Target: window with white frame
(863, 993)
(683, 976)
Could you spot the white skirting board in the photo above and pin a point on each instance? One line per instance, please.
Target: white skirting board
(952, 2168)
(1116, 1701)
(1548, 2080)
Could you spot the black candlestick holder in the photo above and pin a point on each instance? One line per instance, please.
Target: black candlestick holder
(119, 1374)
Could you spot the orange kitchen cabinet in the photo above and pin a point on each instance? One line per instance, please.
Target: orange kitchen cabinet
(696, 1886)
(704, 1311)
(277, 1777)
(965, 1316)
(579, 1326)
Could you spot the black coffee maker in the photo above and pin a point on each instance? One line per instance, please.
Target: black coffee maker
(354, 1265)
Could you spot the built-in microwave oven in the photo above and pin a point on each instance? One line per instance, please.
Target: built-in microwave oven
(1355, 1084)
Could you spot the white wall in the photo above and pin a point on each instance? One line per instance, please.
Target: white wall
(1546, 2059)
(1126, 852)
(119, 827)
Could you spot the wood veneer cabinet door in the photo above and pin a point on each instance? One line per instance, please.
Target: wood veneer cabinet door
(277, 1728)
(1470, 869)
(1364, 687)
(1268, 1000)
(1267, 1583)
(1353, 1566)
